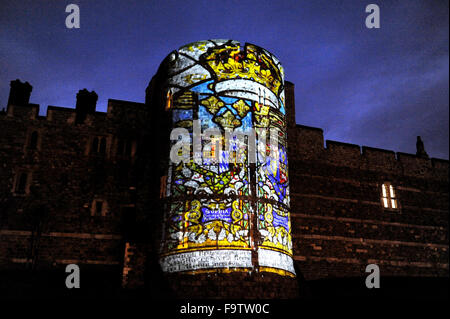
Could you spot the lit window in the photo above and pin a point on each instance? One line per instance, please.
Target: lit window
(169, 100)
(389, 197)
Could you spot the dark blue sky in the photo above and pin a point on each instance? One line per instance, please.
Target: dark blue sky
(375, 87)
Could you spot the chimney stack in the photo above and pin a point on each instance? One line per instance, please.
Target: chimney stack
(86, 103)
(19, 93)
(289, 104)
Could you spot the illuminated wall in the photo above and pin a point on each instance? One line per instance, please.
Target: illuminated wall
(227, 215)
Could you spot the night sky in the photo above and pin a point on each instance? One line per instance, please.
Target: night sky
(374, 87)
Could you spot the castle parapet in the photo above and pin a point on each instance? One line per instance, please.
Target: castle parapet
(440, 167)
(60, 114)
(414, 165)
(305, 142)
(29, 111)
(379, 159)
(343, 153)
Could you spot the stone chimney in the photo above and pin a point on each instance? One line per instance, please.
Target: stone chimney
(86, 103)
(19, 93)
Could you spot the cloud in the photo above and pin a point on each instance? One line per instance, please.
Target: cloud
(378, 87)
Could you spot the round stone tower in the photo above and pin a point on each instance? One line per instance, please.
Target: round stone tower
(226, 224)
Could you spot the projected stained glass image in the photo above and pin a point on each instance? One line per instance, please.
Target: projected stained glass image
(231, 214)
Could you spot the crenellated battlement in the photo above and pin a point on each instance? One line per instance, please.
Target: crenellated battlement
(307, 143)
(117, 109)
(28, 111)
(339, 152)
(58, 114)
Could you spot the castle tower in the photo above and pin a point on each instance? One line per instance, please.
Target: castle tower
(225, 189)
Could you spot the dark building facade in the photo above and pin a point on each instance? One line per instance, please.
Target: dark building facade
(79, 186)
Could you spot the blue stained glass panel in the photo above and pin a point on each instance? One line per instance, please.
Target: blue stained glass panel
(181, 115)
(202, 87)
(280, 221)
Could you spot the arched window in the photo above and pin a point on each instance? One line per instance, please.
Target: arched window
(21, 183)
(125, 147)
(128, 148)
(120, 147)
(94, 145)
(98, 145)
(99, 207)
(33, 140)
(102, 148)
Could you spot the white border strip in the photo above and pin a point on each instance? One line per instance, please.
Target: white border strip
(207, 259)
(275, 259)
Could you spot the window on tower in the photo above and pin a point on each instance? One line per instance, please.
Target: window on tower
(168, 100)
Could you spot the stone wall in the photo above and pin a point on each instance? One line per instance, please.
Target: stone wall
(72, 207)
(338, 219)
(340, 224)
